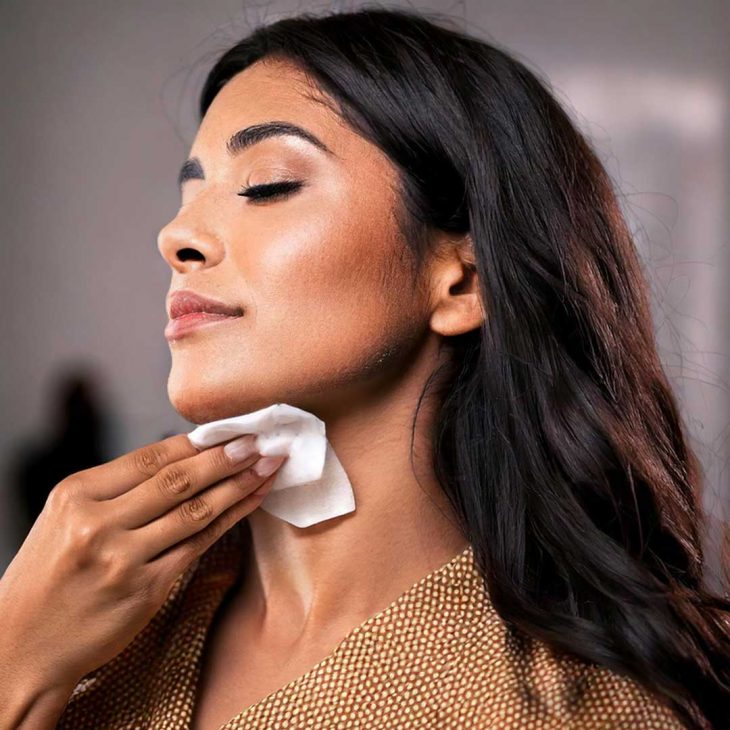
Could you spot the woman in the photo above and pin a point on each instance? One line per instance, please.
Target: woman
(404, 234)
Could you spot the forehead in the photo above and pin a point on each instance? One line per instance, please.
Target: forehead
(272, 90)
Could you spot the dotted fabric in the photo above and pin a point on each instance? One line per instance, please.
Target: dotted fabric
(438, 657)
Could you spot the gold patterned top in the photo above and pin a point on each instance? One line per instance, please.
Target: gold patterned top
(438, 657)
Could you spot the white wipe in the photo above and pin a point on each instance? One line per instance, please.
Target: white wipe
(311, 485)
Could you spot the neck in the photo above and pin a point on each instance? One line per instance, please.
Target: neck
(339, 572)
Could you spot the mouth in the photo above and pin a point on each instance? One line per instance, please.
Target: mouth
(193, 321)
(190, 311)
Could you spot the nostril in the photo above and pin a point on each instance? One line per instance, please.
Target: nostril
(186, 254)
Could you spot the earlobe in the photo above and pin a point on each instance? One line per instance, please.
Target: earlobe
(457, 304)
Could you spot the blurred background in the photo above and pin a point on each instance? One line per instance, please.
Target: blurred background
(98, 113)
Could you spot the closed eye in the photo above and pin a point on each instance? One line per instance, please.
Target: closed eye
(271, 190)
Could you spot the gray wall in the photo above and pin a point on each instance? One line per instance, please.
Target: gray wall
(97, 114)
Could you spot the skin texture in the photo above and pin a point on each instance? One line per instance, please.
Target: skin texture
(333, 323)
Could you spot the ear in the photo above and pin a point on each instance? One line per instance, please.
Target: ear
(456, 305)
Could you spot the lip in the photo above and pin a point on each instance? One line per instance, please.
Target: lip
(187, 323)
(185, 301)
(189, 311)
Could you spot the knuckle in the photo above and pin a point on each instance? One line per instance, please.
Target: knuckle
(115, 570)
(62, 495)
(73, 483)
(195, 510)
(219, 459)
(245, 478)
(174, 480)
(85, 539)
(66, 499)
(210, 534)
(149, 459)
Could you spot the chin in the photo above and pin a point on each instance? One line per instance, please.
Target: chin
(205, 402)
(195, 409)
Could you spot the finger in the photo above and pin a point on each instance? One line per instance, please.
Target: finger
(178, 482)
(119, 475)
(190, 530)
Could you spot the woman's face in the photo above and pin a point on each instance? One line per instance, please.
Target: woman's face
(331, 313)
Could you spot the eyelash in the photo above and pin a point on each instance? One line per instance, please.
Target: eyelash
(271, 190)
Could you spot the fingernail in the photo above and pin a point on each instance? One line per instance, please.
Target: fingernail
(241, 448)
(267, 464)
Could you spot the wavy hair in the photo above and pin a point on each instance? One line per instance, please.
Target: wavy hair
(559, 441)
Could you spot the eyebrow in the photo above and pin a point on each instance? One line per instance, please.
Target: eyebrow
(192, 169)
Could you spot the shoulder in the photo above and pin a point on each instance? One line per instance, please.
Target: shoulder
(505, 680)
(602, 698)
(509, 685)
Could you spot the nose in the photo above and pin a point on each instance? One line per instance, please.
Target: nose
(186, 246)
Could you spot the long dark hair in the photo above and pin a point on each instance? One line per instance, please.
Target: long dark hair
(559, 441)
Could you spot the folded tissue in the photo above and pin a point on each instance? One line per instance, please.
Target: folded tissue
(311, 485)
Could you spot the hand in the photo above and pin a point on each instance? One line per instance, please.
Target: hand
(105, 551)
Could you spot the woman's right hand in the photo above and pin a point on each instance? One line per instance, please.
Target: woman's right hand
(105, 551)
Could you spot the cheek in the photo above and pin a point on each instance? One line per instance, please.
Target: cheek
(333, 302)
